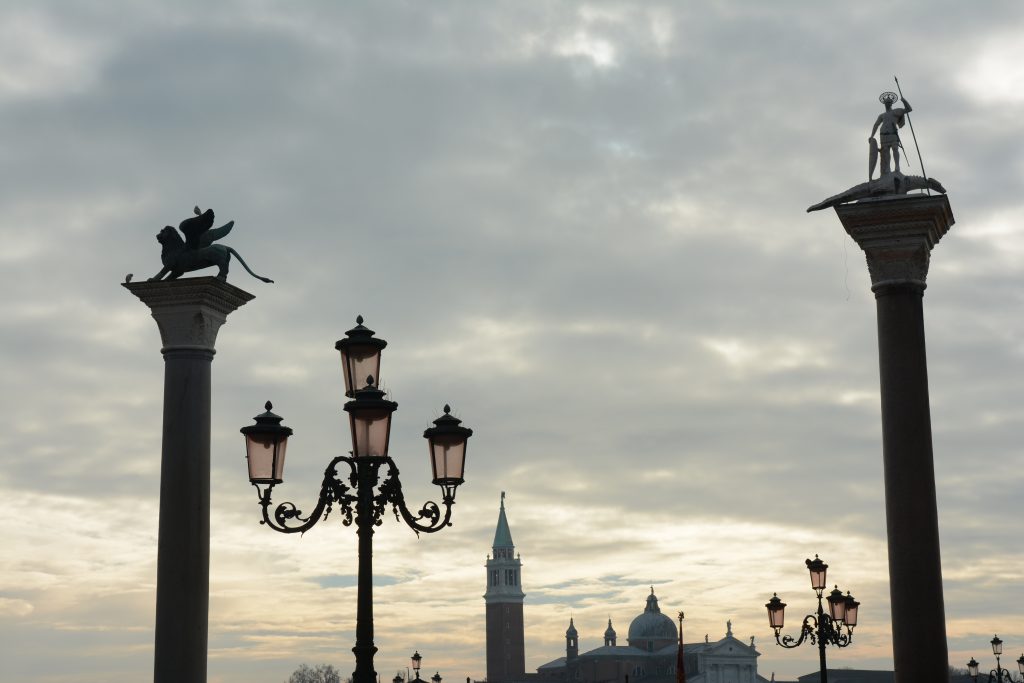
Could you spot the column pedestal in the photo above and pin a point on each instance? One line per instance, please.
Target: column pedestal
(189, 313)
(897, 235)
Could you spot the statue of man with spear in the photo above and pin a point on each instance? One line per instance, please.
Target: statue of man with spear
(890, 121)
(889, 182)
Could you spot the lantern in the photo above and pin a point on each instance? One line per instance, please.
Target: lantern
(972, 668)
(776, 612)
(360, 356)
(836, 604)
(370, 418)
(852, 607)
(817, 568)
(447, 443)
(265, 445)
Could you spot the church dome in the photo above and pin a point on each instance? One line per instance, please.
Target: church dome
(652, 625)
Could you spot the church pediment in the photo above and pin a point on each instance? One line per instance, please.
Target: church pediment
(732, 647)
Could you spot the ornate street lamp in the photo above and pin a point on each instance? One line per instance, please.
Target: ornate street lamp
(360, 495)
(436, 678)
(821, 628)
(998, 674)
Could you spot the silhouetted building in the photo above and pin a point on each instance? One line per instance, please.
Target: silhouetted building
(850, 676)
(650, 655)
(506, 652)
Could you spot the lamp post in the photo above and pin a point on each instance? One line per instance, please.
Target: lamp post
(998, 674)
(360, 494)
(820, 628)
(416, 659)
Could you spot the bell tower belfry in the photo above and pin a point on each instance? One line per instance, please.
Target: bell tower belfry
(506, 652)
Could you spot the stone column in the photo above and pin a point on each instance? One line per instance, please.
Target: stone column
(189, 313)
(897, 235)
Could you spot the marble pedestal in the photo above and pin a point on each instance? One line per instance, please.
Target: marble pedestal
(897, 235)
(189, 312)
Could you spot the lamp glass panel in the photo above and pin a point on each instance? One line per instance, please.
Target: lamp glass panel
(852, 608)
(359, 363)
(448, 457)
(776, 616)
(818, 578)
(837, 606)
(282, 447)
(260, 453)
(370, 430)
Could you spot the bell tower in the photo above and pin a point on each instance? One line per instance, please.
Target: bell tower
(506, 652)
(572, 642)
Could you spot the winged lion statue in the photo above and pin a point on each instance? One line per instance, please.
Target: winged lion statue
(197, 250)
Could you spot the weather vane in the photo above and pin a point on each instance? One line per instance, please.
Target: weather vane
(891, 181)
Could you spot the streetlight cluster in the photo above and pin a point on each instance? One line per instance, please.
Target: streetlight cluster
(416, 661)
(360, 495)
(998, 674)
(832, 628)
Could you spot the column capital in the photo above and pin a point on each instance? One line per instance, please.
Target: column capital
(897, 235)
(189, 312)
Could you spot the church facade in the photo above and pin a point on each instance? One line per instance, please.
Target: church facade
(650, 653)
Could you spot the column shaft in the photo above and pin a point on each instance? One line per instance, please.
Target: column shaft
(189, 313)
(183, 547)
(897, 234)
(915, 565)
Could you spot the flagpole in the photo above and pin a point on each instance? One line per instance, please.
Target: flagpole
(680, 662)
(914, 135)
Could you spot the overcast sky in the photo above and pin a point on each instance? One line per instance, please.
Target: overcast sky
(581, 224)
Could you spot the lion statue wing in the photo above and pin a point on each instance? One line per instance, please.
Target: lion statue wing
(214, 234)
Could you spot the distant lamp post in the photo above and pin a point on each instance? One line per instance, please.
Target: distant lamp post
(821, 628)
(354, 493)
(436, 678)
(416, 659)
(998, 674)
(398, 678)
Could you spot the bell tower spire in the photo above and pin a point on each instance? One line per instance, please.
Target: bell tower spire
(506, 652)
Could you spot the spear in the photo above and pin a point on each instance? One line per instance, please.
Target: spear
(914, 135)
